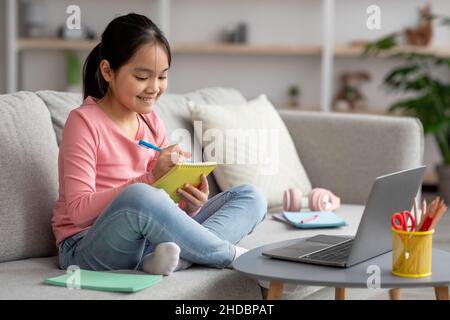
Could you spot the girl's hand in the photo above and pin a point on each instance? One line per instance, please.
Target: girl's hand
(194, 198)
(167, 158)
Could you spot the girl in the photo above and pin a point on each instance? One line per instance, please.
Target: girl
(108, 216)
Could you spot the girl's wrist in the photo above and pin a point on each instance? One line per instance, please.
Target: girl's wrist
(183, 206)
(193, 214)
(149, 178)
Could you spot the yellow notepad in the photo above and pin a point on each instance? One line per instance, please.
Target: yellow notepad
(182, 173)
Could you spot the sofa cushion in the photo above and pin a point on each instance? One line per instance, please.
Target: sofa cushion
(252, 145)
(59, 104)
(345, 152)
(216, 95)
(25, 279)
(28, 177)
(175, 115)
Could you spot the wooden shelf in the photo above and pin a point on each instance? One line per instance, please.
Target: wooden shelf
(224, 48)
(354, 51)
(194, 48)
(55, 44)
(339, 50)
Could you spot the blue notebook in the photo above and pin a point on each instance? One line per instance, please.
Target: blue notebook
(312, 219)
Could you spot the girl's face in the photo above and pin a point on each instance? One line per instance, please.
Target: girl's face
(139, 83)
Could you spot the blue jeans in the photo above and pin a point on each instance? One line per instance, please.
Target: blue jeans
(141, 217)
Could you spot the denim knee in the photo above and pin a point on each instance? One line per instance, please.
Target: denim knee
(258, 199)
(141, 196)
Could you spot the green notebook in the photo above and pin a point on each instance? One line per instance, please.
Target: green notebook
(105, 281)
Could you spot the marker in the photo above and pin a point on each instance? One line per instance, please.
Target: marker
(148, 145)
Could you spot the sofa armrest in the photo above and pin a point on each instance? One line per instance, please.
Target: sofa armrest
(346, 152)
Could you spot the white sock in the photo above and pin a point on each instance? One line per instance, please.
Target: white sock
(239, 251)
(182, 265)
(163, 260)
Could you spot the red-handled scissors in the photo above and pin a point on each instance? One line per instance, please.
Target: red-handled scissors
(399, 221)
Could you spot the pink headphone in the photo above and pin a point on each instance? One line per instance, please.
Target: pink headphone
(318, 200)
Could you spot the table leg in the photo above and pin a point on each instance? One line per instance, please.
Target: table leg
(339, 293)
(394, 294)
(275, 290)
(441, 293)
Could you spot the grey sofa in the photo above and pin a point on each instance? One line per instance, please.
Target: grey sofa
(341, 152)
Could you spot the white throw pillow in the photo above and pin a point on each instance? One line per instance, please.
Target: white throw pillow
(252, 145)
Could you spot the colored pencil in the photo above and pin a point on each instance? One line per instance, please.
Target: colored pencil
(440, 212)
(435, 212)
(415, 213)
(426, 219)
(424, 210)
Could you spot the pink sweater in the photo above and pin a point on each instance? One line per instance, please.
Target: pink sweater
(96, 162)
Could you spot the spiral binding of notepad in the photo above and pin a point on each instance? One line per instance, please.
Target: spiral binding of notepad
(196, 164)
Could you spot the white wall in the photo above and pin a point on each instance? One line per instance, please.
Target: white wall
(395, 16)
(291, 22)
(95, 14)
(269, 21)
(203, 21)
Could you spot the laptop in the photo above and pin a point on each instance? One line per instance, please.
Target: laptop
(390, 193)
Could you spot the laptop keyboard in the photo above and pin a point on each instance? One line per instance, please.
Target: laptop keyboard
(338, 252)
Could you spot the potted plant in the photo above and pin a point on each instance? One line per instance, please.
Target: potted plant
(429, 95)
(294, 95)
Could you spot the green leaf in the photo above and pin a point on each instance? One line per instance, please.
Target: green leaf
(385, 43)
(443, 61)
(445, 21)
(422, 82)
(397, 77)
(424, 108)
(411, 104)
(431, 94)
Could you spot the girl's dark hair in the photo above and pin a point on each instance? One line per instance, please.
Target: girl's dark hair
(120, 40)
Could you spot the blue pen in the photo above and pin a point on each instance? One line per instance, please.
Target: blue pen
(148, 145)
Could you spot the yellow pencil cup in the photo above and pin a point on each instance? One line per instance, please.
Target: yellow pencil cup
(411, 253)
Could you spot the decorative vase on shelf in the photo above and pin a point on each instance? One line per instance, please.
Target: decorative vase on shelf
(236, 34)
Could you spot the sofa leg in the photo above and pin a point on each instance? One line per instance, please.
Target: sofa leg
(275, 290)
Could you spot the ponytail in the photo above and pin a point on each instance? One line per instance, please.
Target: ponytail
(93, 83)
